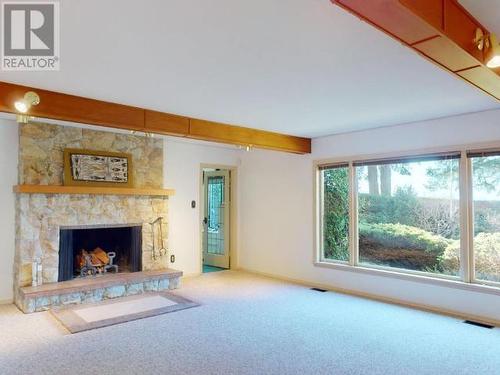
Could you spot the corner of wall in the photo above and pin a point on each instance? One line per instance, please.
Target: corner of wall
(9, 146)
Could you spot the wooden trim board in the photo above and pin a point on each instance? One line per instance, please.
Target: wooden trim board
(59, 106)
(216, 132)
(164, 123)
(442, 31)
(90, 190)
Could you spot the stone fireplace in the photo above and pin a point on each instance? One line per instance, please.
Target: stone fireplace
(42, 218)
(53, 227)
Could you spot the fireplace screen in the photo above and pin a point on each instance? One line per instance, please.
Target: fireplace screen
(87, 252)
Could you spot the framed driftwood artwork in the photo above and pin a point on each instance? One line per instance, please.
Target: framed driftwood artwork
(97, 168)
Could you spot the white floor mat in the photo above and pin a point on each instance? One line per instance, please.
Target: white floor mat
(114, 310)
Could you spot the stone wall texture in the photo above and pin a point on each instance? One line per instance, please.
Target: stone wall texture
(40, 216)
(41, 153)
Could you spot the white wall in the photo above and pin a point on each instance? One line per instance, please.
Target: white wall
(8, 167)
(450, 131)
(183, 159)
(277, 210)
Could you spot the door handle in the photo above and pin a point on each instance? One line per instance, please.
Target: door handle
(205, 221)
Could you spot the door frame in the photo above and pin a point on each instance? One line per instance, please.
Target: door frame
(210, 258)
(233, 177)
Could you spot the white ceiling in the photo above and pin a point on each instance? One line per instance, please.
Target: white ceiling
(302, 67)
(485, 11)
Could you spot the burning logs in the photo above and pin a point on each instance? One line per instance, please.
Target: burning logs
(98, 257)
(96, 261)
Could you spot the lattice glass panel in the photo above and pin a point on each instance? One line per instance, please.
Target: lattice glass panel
(215, 225)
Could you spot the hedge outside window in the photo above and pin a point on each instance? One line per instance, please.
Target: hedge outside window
(335, 212)
(409, 213)
(486, 213)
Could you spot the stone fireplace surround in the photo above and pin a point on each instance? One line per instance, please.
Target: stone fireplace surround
(39, 217)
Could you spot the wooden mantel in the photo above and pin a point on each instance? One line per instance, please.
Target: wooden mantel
(90, 190)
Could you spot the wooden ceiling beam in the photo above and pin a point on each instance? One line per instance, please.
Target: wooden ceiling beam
(64, 107)
(440, 30)
(217, 132)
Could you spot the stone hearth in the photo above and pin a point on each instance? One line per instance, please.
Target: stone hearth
(95, 289)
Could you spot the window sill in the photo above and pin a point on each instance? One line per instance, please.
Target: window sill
(442, 281)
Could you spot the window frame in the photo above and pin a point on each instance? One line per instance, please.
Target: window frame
(466, 278)
(320, 218)
(470, 210)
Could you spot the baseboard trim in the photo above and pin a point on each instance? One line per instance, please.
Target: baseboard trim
(6, 301)
(379, 298)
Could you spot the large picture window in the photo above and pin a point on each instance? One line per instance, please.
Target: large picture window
(409, 213)
(436, 215)
(335, 212)
(486, 209)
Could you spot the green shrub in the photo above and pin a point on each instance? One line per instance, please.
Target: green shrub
(399, 208)
(336, 214)
(403, 236)
(450, 259)
(486, 256)
(439, 216)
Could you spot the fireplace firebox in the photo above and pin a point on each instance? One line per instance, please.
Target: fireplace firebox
(89, 251)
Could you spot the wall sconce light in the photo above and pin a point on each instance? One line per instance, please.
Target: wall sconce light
(30, 99)
(23, 106)
(489, 44)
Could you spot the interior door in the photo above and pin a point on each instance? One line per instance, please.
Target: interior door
(216, 185)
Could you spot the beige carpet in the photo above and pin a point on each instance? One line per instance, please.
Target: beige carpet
(80, 318)
(248, 325)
